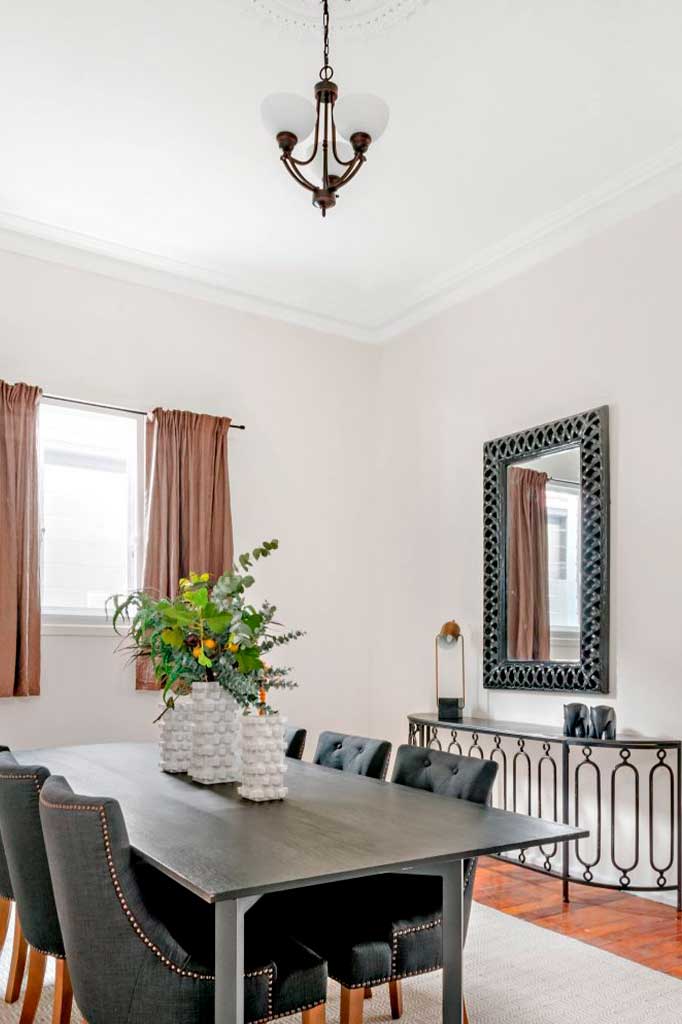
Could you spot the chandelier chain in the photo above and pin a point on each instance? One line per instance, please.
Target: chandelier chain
(327, 70)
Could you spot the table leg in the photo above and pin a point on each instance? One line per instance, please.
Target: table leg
(229, 959)
(452, 874)
(453, 941)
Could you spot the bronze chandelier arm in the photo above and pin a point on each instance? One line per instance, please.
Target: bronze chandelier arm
(304, 163)
(358, 161)
(344, 163)
(296, 174)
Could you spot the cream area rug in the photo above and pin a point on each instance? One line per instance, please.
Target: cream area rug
(516, 973)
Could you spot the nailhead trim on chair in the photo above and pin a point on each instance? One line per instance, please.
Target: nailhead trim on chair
(394, 976)
(99, 809)
(21, 778)
(141, 935)
(26, 778)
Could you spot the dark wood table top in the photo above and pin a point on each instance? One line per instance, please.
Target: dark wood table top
(332, 825)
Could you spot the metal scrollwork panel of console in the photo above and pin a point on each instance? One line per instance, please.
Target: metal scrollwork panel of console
(627, 791)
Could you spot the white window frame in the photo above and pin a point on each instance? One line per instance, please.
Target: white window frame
(66, 623)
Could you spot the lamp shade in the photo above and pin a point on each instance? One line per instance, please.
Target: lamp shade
(361, 112)
(288, 112)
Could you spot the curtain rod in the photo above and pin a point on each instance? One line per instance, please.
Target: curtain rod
(117, 408)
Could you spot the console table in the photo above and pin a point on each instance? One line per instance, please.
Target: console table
(546, 766)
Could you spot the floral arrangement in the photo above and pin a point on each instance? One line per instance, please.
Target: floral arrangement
(209, 632)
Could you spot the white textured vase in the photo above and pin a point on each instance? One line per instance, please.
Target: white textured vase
(175, 740)
(263, 764)
(215, 735)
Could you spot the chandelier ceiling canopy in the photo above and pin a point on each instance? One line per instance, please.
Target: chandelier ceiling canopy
(361, 17)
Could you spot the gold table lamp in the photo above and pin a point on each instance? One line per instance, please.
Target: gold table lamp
(448, 686)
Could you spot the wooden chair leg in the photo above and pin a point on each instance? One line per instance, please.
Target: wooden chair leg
(395, 991)
(368, 991)
(465, 1015)
(315, 1016)
(5, 914)
(352, 1002)
(17, 963)
(63, 994)
(34, 987)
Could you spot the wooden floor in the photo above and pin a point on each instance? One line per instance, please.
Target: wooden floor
(638, 929)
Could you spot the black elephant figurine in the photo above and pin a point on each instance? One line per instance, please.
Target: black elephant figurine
(603, 722)
(576, 720)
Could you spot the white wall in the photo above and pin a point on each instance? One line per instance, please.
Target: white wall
(600, 324)
(300, 472)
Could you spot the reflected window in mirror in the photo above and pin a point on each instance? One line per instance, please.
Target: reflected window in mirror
(543, 557)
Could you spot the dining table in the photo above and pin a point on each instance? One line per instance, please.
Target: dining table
(332, 826)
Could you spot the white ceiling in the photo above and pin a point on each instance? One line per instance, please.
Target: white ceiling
(132, 129)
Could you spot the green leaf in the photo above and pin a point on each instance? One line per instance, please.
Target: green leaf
(219, 622)
(248, 581)
(174, 636)
(198, 597)
(248, 659)
(203, 660)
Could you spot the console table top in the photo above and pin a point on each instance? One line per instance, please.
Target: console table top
(529, 731)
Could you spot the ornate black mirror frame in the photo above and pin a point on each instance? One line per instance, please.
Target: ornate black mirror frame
(589, 430)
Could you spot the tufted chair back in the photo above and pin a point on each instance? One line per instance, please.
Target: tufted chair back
(294, 742)
(124, 963)
(464, 778)
(22, 838)
(356, 754)
(5, 883)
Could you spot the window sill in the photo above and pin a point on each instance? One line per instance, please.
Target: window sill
(83, 629)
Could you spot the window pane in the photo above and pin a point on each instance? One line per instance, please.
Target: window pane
(90, 507)
(563, 530)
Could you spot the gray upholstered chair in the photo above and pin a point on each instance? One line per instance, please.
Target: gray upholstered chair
(29, 873)
(294, 742)
(356, 754)
(141, 948)
(388, 927)
(18, 958)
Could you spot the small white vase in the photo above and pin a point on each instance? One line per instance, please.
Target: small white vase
(263, 764)
(215, 735)
(175, 740)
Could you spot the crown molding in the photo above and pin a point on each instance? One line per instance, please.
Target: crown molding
(53, 244)
(640, 188)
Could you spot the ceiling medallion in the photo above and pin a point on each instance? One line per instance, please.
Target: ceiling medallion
(342, 131)
(361, 17)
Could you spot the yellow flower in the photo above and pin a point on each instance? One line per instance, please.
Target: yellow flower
(197, 652)
(205, 577)
(233, 647)
(184, 582)
(209, 643)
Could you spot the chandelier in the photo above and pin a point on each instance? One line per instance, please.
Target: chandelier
(342, 131)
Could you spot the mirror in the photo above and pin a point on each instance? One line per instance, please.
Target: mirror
(546, 564)
(543, 557)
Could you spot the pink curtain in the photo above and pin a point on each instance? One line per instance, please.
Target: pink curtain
(19, 541)
(189, 520)
(528, 634)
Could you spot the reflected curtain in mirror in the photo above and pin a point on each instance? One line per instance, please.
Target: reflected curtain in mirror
(19, 541)
(528, 566)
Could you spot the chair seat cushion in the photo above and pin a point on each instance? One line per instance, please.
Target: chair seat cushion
(369, 929)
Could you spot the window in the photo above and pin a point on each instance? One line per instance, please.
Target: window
(557, 530)
(563, 542)
(92, 507)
